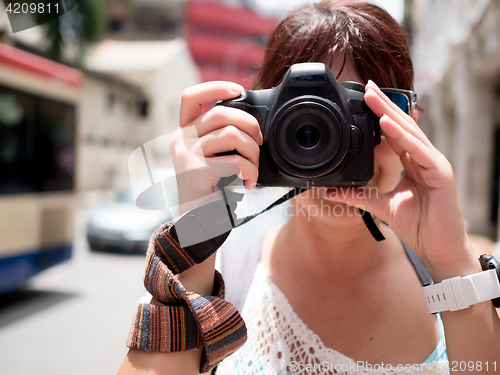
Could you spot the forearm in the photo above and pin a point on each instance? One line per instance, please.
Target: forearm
(200, 277)
(472, 336)
(141, 362)
(471, 333)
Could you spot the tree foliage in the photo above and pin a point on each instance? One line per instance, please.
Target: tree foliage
(69, 34)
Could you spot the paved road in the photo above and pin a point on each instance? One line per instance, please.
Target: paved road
(74, 319)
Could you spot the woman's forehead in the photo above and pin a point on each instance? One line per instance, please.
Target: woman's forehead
(344, 68)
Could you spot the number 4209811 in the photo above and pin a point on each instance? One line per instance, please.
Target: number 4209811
(463, 366)
(19, 8)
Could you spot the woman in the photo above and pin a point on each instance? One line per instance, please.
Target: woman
(356, 299)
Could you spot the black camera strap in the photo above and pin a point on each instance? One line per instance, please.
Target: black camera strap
(370, 224)
(202, 230)
(292, 193)
(231, 198)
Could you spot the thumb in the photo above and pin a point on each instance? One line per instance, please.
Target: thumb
(368, 199)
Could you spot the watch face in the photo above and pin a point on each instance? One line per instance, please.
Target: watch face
(488, 262)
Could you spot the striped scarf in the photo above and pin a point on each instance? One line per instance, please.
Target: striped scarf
(187, 320)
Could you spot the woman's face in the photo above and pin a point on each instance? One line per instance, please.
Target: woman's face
(388, 167)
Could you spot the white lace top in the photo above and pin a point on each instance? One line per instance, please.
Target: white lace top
(279, 343)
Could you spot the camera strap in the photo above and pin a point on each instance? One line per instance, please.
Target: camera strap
(231, 198)
(202, 230)
(371, 225)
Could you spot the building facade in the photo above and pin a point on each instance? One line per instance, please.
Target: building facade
(144, 19)
(456, 46)
(112, 122)
(227, 42)
(138, 102)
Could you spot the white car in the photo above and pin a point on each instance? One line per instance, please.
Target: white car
(121, 226)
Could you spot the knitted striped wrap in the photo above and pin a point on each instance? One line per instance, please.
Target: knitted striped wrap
(187, 320)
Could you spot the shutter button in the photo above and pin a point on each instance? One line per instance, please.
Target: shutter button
(355, 138)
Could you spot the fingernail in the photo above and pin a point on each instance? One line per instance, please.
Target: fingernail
(234, 87)
(373, 83)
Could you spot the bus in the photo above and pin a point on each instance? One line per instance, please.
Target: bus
(39, 101)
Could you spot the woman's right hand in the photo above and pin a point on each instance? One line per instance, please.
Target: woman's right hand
(201, 136)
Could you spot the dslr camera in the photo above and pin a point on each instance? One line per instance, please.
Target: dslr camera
(316, 132)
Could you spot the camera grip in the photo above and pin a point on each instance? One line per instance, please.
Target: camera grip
(257, 111)
(363, 160)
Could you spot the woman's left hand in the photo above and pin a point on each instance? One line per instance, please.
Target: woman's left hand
(423, 209)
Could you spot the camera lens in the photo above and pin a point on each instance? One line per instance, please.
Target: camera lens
(308, 136)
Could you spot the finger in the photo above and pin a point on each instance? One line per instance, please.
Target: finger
(379, 105)
(410, 167)
(394, 146)
(194, 97)
(418, 151)
(372, 85)
(220, 116)
(230, 138)
(248, 170)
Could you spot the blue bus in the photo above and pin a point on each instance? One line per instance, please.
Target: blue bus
(38, 123)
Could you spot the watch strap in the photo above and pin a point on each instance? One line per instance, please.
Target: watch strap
(460, 292)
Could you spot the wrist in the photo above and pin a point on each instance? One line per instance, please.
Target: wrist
(200, 277)
(462, 262)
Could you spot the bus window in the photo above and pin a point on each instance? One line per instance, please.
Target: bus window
(37, 143)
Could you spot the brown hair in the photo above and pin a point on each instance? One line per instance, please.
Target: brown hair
(359, 32)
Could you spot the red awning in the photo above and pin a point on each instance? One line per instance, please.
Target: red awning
(217, 16)
(40, 66)
(209, 49)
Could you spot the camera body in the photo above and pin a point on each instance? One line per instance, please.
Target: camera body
(316, 132)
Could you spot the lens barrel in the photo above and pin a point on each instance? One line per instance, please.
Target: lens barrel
(307, 135)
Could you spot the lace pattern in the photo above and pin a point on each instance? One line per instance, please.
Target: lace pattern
(280, 343)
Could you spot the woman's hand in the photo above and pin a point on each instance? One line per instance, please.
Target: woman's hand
(193, 149)
(423, 209)
(201, 136)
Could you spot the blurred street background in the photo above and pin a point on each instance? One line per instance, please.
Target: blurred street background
(80, 93)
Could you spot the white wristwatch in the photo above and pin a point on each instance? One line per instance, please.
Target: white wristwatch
(460, 292)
